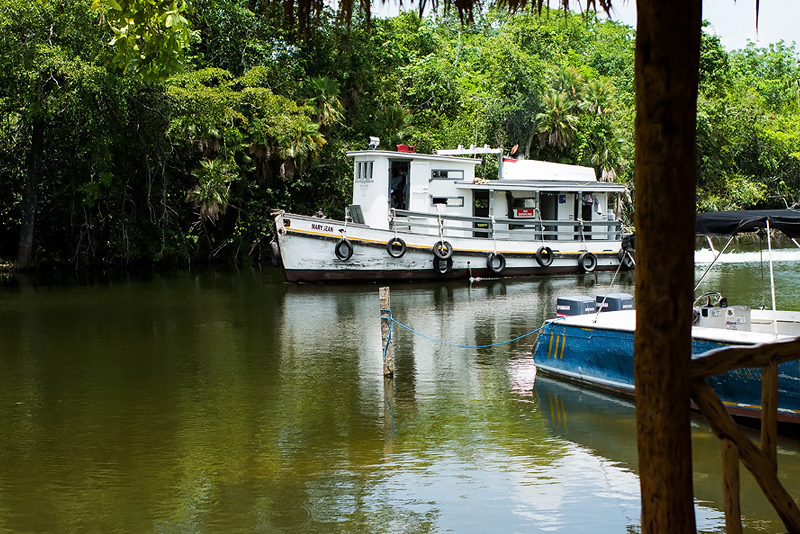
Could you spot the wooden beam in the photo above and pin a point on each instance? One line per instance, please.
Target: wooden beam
(754, 459)
(726, 359)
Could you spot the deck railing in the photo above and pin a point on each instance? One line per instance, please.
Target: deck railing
(506, 228)
(760, 461)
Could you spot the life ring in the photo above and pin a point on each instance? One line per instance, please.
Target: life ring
(587, 262)
(344, 249)
(544, 256)
(496, 262)
(396, 247)
(442, 266)
(442, 250)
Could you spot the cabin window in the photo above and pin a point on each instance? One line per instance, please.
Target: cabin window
(457, 202)
(363, 171)
(443, 174)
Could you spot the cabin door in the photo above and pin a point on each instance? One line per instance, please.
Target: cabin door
(586, 215)
(398, 185)
(548, 206)
(480, 208)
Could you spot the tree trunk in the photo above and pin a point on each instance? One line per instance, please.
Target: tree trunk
(666, 75)
(25, 252)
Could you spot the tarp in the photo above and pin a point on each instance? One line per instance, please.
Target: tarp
(728, 223)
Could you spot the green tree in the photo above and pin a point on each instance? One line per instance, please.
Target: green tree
(150, 36)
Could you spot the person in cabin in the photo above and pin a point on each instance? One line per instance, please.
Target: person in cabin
(398, 195)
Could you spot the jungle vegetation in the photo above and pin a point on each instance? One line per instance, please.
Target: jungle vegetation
(118, 150)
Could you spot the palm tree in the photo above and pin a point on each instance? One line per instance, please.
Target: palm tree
(325, 100)
(556, 124)
(212, 192)
(596, 95)
(395, 121)
(568, 79)
(299, 147)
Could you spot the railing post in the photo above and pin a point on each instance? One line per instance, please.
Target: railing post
(769, 413)
(730, 487)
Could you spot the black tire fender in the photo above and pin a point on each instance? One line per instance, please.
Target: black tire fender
(496, 262)
(442, 250)
(396, 247)
(442, 266)
(344, 249)
(544, 256)
(587, 262)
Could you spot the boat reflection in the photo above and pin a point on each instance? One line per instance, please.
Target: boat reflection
(607, 426)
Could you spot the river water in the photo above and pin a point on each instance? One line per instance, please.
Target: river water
(227, 401)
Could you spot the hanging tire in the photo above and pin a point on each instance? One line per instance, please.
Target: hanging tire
(496, 262)
(396, 247)
(442, 250)
(344, 249)
(587, 262)
(275, 253)
(544, 256)
(442, 266)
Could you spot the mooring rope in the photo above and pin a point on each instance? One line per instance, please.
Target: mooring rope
(393, 320)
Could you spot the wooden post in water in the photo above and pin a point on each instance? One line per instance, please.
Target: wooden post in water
(730, 486)
(386, 327)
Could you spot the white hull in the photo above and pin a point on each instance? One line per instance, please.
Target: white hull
(308, 253)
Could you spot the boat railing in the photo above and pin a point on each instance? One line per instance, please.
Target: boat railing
(506, 228)
(761, 460)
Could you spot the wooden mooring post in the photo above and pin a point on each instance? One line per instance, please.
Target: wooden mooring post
(387, 345)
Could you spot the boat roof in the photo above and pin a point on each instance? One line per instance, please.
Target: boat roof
(395, 155)
(529, 169)
(546, 186)
(728, 223)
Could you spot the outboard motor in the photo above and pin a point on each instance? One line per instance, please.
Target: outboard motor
(575, 305)
(614, 302)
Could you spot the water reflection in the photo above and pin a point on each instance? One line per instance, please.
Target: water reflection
(605, 427)
(229, 401)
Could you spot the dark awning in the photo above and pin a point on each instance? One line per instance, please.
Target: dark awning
(733, 222)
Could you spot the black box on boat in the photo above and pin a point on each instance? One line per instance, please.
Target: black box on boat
(614, 302)
(576, 305)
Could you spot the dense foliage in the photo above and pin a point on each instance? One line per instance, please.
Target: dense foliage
(174, 138)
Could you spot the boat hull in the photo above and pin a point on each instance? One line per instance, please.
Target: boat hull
(308, 253)
(602, 358)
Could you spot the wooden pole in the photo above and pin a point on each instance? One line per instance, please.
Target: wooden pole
(731, 492)
(769, 413)
(387, 346)
(666, 78)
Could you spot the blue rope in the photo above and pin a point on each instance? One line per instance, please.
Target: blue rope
(393, 320)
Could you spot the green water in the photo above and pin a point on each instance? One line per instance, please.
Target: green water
(223, 401)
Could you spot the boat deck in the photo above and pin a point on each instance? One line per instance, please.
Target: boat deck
(762, 327)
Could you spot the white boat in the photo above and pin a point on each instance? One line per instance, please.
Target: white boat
(423, 216)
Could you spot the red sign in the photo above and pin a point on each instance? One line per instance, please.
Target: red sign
(524, 212)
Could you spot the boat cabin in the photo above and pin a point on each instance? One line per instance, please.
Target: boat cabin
(549, 201)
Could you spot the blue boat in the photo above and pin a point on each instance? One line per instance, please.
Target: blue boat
(595, 348)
